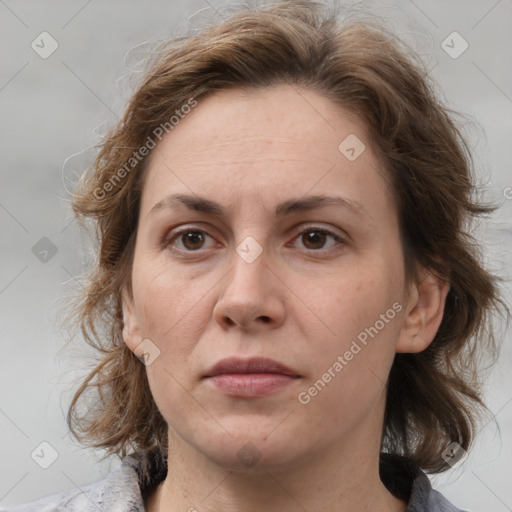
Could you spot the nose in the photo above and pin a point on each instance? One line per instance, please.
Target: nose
(252, 297)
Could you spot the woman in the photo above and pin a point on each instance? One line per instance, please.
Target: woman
(285, 294)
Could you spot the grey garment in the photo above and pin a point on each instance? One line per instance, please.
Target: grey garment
(120, 491)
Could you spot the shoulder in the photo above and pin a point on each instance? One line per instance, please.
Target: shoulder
(410, 483)
(425, 499)
(119, 491)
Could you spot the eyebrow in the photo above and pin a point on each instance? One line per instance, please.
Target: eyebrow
(202, 204)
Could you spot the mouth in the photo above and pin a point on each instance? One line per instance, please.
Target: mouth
(255, 377)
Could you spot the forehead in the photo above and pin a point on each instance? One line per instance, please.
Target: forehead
(266, 145)
(265, 117)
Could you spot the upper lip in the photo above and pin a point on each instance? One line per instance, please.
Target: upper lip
(252, 365)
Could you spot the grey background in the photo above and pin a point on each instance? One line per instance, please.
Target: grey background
(53, 110)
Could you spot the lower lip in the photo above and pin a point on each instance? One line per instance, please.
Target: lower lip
(251, 384)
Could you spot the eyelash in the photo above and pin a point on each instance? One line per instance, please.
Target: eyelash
(170, 240)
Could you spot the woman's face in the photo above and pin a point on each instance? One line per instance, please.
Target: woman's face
(267, 231)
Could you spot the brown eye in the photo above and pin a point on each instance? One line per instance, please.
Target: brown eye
(193, 240)
(189, 240)
(315, 239)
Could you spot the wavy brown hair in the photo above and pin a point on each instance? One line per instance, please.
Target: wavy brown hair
(432, 396)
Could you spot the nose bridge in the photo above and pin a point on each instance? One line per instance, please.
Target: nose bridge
(251, 234)
(249, 262)
(248, 294)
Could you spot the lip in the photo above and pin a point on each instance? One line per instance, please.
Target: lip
(254, 377)
(236, 365)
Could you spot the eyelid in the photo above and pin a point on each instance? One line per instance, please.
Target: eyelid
(327, 229)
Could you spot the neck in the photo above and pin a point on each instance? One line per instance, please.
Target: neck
(339, 480)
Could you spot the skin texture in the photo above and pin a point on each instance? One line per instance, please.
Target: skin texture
(302, 302)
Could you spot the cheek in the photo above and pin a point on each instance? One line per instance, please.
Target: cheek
(171, 314)
(354, 299)
(170, 309)
(361, 314)
(351, 367)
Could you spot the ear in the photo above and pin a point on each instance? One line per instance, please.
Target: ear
(131, 329)
(423, 313)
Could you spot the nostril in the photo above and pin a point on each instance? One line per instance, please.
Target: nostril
(263, 318)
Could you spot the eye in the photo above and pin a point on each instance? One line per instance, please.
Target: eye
(314, 238)
(188, 240)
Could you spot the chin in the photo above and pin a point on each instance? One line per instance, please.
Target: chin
(253, 448)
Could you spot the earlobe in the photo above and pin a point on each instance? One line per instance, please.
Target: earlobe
(131, 331)
(423, 314)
